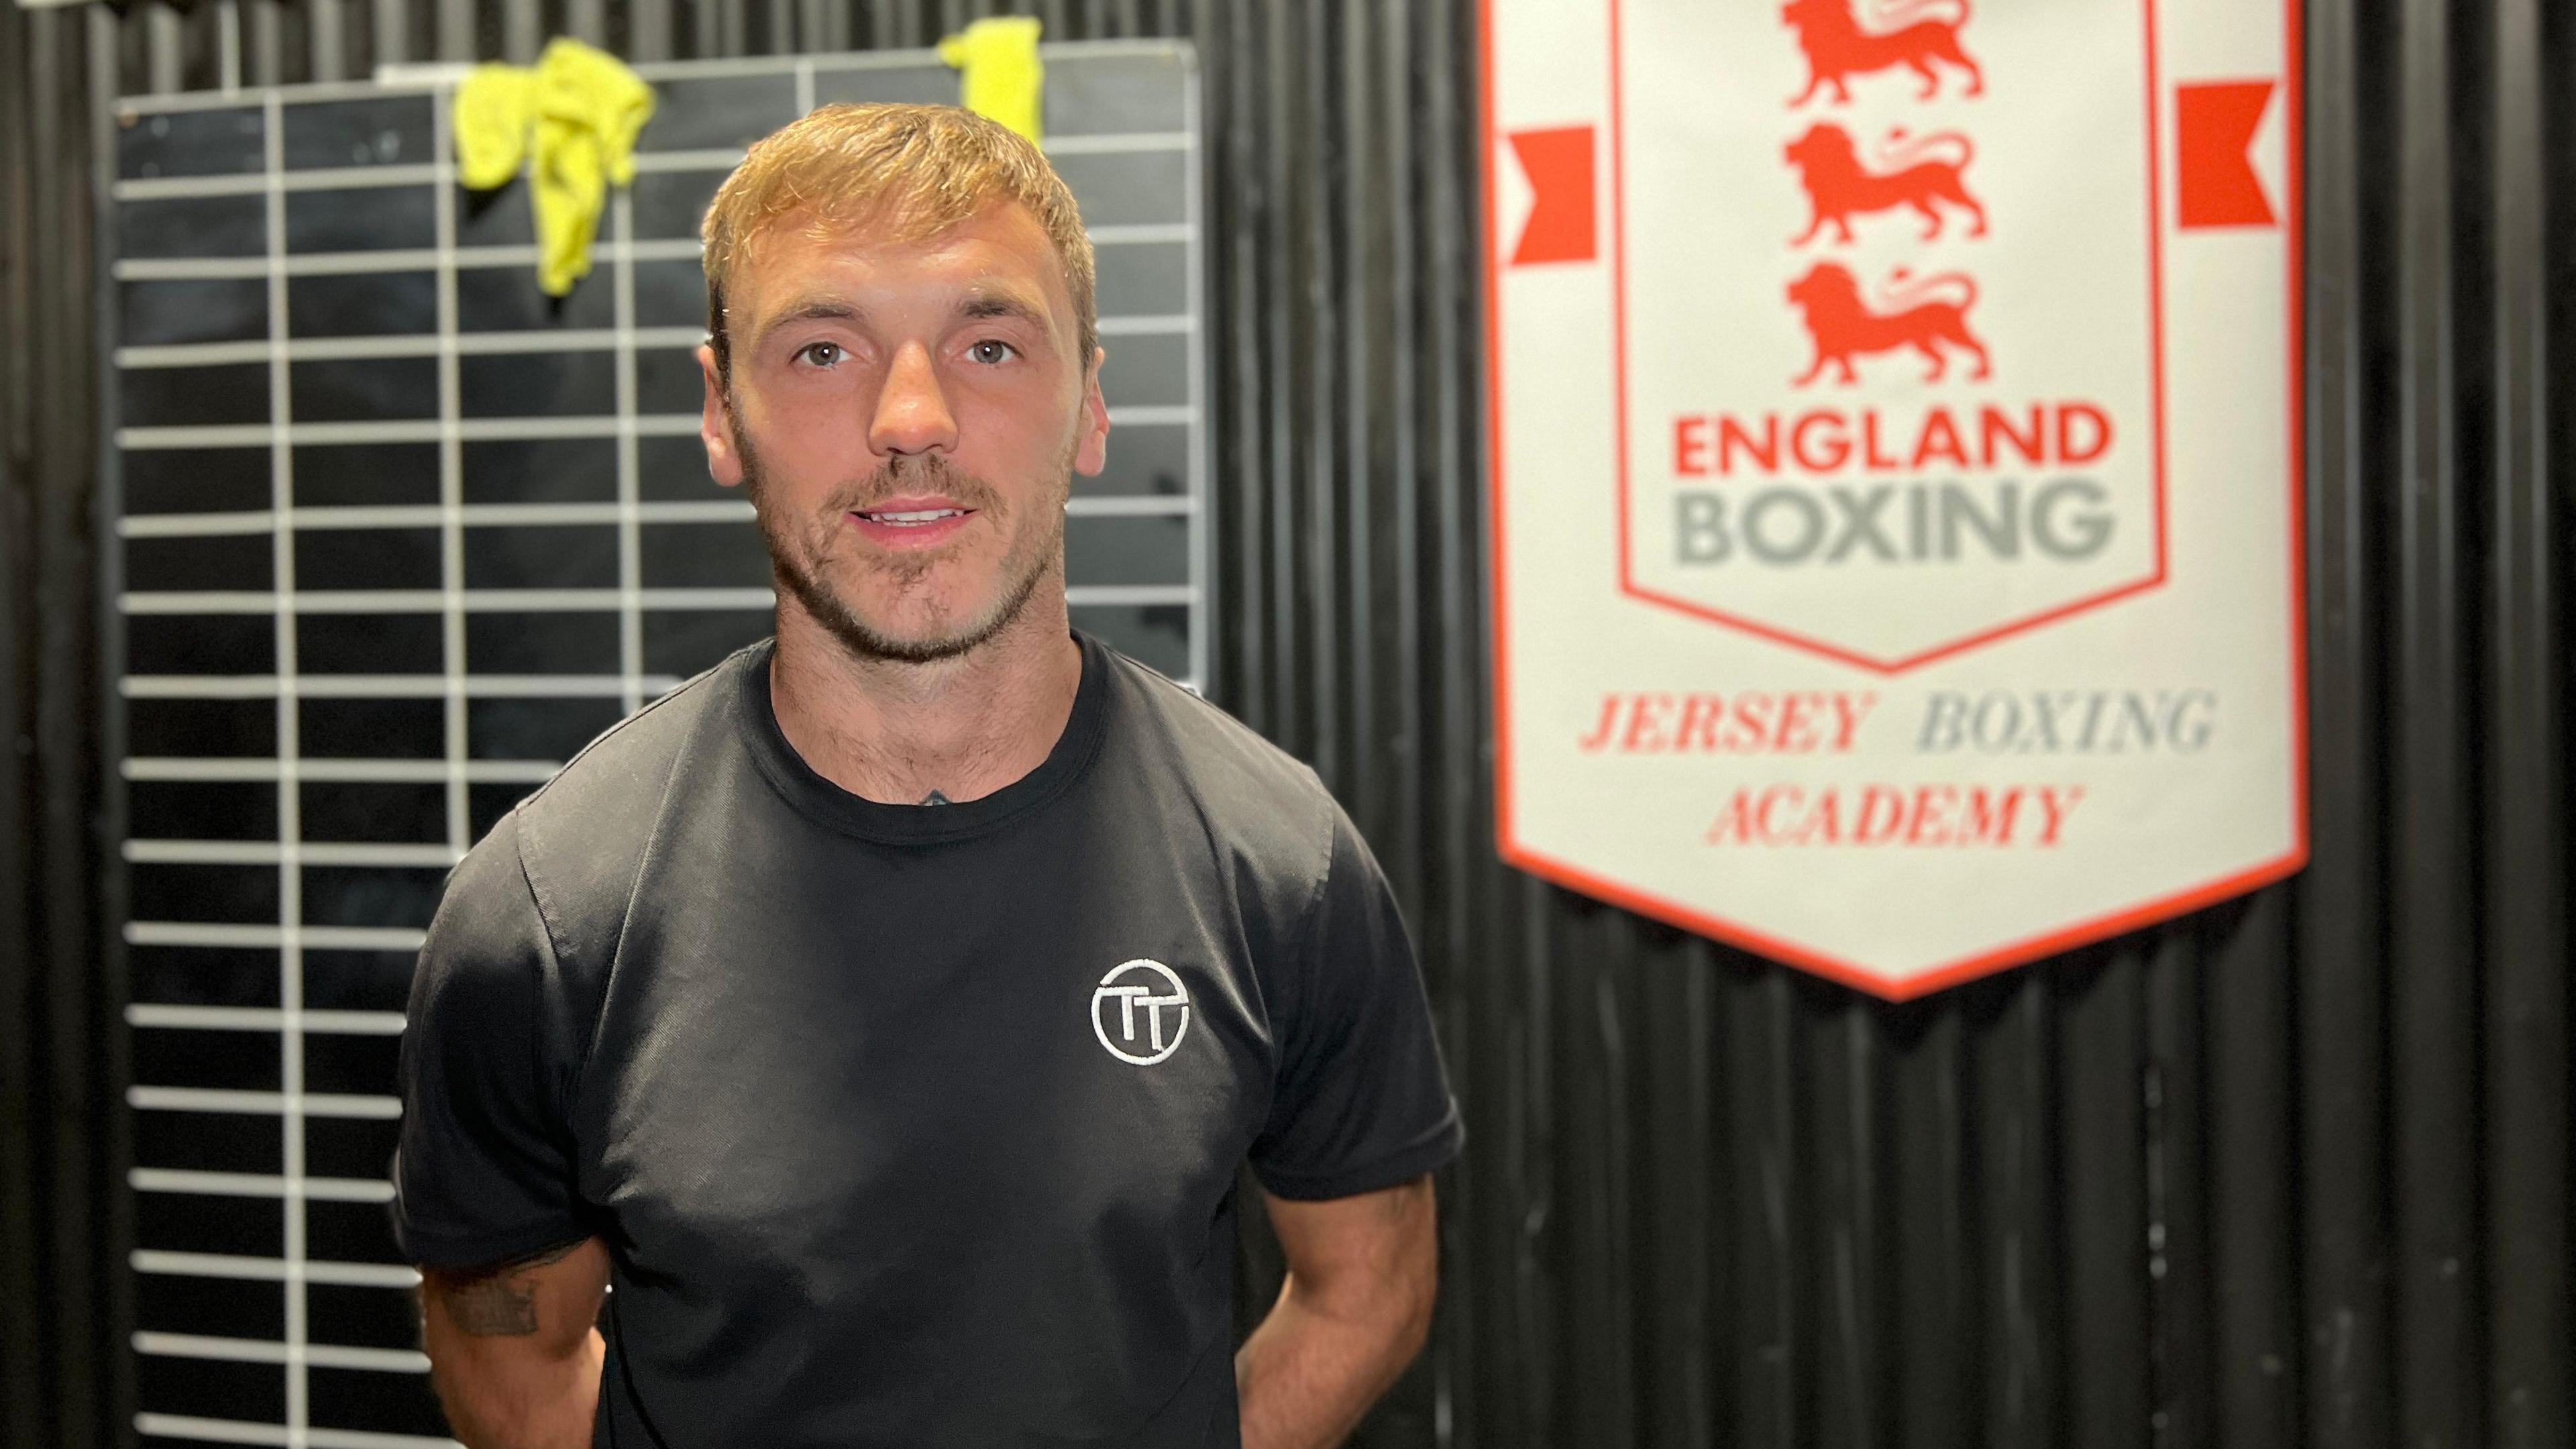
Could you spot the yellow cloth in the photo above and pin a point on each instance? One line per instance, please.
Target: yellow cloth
(583, 109)
(999, 72)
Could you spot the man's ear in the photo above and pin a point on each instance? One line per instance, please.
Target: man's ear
(1091, 447)
(715, 424)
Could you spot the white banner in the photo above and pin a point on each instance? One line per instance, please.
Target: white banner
(1896, 466)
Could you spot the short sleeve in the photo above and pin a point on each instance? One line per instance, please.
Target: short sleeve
(484, 1169)
(1361, 1101)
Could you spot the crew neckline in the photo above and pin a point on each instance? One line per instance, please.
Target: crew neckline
(828, 804)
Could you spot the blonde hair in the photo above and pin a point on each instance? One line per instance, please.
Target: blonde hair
(908, 171)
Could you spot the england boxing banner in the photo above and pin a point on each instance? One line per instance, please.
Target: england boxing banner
(1894, 415)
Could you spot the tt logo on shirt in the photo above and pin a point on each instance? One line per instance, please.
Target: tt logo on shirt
(1141, 1012)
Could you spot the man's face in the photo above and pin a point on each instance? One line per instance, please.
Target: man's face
(908, 416)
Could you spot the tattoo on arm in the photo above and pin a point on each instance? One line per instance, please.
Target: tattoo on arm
(491, 1308)
(935, 798)
(497, 1304)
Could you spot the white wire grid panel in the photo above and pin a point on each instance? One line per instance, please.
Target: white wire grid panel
(395, 537)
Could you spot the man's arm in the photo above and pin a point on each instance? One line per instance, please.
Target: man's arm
(1362, 1273)
(514, 1350)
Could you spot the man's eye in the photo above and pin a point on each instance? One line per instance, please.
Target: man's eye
(991, 352)
(821, 354)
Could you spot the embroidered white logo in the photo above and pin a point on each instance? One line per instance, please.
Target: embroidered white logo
(1128, 1012)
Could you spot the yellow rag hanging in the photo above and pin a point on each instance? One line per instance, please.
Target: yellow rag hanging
(573, 116)
(999, 72)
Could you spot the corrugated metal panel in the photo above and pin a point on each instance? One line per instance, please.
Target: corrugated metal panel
(62, 1360)
(2293, 1171)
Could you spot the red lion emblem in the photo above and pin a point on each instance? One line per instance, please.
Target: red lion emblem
(1916, 173)
(1924, 315)
(1838, 48)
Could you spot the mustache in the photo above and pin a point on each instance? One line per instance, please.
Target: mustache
(921, 473)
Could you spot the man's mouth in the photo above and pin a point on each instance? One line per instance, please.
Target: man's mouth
(913, 521)
(911, 518)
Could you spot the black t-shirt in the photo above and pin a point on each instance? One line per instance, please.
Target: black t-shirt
(912, 1125)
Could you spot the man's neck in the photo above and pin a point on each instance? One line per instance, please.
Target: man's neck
(900, 733)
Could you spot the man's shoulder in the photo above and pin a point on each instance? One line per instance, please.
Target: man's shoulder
(634, 757)
(1256, 793)
(582, 835)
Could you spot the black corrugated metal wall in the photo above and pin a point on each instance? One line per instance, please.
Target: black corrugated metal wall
(2292, 1171)
(61, 1041)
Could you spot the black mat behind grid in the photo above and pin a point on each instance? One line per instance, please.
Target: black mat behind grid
(399, 534)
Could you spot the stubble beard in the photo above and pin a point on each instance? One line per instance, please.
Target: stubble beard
(797, 565)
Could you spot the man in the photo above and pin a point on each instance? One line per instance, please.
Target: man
(887, 1012)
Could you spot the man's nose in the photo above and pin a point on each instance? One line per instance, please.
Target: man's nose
(912, 412)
